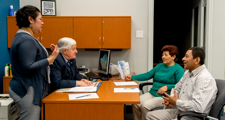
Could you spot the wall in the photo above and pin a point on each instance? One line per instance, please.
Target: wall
(4, 51)
(138, 10)
(218, 40)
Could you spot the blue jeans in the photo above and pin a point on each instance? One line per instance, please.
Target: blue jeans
(28, 111)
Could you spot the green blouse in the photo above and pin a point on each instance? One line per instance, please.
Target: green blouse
(163, 76)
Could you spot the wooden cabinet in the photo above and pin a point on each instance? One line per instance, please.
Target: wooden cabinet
(6, 81)
(103, 32)
(55, 28)
(12, 28)
(89, 32)
(116, 32)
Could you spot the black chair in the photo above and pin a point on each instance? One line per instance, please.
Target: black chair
(144, 84)
(216, 109)
(149, 83)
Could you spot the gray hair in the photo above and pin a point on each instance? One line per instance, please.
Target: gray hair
(65, 43)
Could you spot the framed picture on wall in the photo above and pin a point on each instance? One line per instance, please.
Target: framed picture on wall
(48, 7)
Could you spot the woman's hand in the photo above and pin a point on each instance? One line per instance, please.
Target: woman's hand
(162, 90)
(128, 78)
(55, 52)
(89, 83)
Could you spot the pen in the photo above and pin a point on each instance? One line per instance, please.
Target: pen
(82, 96)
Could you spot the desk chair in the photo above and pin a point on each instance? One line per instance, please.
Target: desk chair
(215, 111)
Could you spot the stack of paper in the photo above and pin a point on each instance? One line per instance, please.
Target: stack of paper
(78, 89)
(126, 90)
(125, 83)
(82, 96)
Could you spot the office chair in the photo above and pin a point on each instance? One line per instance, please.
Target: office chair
(144, 84)
(217, 106)
(149, 83)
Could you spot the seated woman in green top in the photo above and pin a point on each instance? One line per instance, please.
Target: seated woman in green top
(165, 75)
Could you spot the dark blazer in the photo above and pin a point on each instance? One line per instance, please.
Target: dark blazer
(29, 66)
(61, 76)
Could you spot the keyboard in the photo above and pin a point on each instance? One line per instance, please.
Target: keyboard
(92, 75)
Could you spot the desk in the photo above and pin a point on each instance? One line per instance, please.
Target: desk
(109, 105)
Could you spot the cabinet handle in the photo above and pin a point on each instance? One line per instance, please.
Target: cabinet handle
(103, 40)
(100, 40)
(41, 39)
(38, 38)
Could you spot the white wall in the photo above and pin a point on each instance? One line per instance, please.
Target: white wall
(138, 10)
(218, 40)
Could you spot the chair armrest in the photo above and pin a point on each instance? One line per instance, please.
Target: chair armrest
(144, 84)
(192, 114)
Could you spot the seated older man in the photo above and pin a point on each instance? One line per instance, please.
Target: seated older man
(64, 73)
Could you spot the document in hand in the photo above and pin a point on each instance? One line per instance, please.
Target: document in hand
(126, 90)
(125, 83)
(82, 96)
(123, 68)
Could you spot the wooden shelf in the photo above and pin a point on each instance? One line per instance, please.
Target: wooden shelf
(6, 81)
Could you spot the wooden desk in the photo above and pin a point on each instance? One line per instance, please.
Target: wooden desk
(109, 105)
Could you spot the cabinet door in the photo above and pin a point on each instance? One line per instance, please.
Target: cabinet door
(12, 28)
(116, 32)
(87, 32)
(55, 28)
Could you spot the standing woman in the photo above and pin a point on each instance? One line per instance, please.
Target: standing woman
(30, 64)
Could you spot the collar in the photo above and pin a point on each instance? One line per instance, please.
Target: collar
(23, 31)
(64, 58)
(197, 70)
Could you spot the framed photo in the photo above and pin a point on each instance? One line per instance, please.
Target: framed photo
(48, 7)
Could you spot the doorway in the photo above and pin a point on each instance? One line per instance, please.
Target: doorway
(179, 23)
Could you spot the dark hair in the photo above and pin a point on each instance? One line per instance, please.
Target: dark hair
(172, 50)
(23, 13)
(198, 52)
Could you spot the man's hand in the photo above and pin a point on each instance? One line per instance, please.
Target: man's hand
(167, 104)
(162, 90)
(89, 83)
(81, 84)
(171, 99)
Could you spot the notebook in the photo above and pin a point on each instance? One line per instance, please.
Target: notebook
(82, 89)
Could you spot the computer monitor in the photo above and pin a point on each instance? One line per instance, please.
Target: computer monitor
(104, 63)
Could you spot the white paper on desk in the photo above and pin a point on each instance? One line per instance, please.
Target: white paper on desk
(82, 89)
(126, 90)
(86, 96)
(125, 83)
